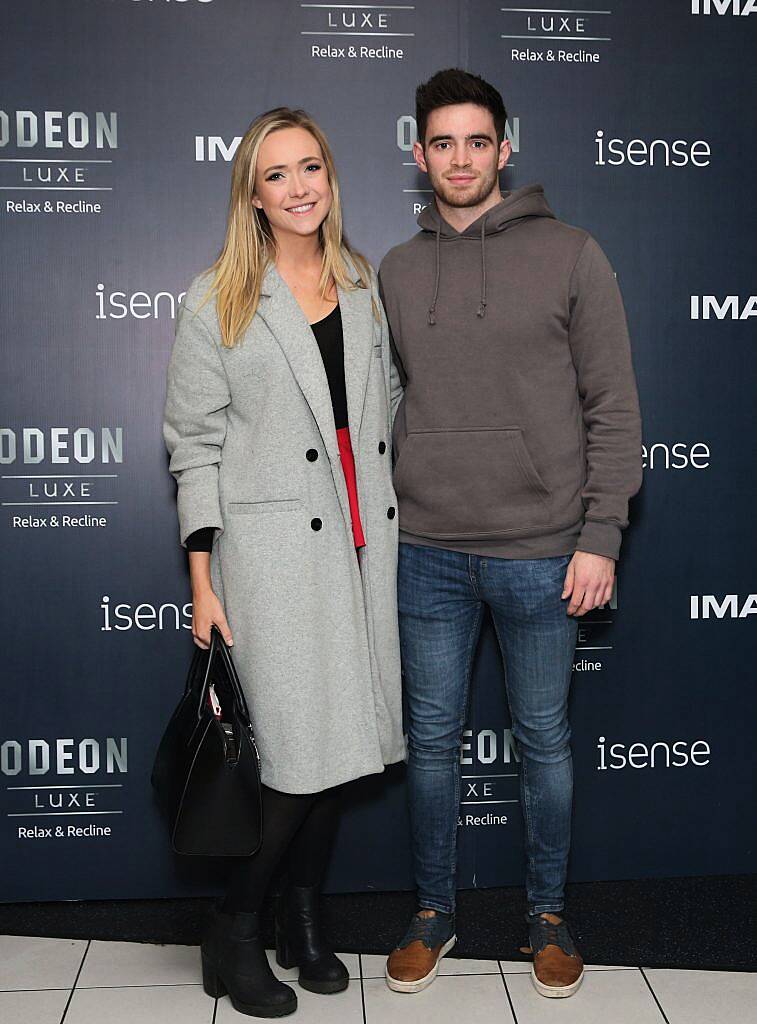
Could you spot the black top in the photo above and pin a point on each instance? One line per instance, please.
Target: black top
(328, 334)
(330, 338)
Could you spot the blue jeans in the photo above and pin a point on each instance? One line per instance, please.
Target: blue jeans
(441, 603)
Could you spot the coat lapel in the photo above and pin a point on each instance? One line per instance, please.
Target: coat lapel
(357, 317)
(283, 316)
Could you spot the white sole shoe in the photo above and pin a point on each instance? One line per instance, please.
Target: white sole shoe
(552, 991)
(421, 983)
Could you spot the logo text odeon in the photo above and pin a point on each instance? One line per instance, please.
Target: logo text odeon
(407, 133)
(61, 445)
(64, 756)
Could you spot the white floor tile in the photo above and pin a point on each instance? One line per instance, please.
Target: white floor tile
(141, 1005)
(516, 966)
(605, 997)
(450, 966)
(473, 998)
(33, 1007)
(139, 963)
(373, 964)
(705, 997)
(350, 961)
(29, 963)
(340, 1008)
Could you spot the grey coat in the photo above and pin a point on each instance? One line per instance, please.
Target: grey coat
(253, 447)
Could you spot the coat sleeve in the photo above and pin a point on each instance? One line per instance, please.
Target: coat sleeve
(607, 388)
(194, 425)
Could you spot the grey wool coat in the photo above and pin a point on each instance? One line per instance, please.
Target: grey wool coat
(251, 435)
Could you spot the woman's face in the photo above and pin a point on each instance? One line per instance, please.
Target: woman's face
(291, 182)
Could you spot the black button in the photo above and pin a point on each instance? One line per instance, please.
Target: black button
(315, 524)
(311, 454)
(382, 447)
(391, 512)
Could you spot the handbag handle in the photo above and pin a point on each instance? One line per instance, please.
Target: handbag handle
(200, 670)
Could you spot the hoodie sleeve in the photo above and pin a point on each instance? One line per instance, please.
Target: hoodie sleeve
(607, 388)
(194, 424)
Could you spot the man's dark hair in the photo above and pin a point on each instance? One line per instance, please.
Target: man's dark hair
(452, 86)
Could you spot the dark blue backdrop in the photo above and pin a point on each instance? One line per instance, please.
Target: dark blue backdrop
(118, 121)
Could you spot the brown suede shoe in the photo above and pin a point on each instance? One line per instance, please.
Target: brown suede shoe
(557, 970)
(414, 963)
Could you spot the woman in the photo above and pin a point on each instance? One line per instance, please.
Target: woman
(278, 422)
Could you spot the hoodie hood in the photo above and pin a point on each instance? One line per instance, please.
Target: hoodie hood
(516, 206)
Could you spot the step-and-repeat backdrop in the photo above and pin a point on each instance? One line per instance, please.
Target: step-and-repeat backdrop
(118, 121)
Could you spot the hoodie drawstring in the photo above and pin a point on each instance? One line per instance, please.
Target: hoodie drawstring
(432, 307)
(482, 303)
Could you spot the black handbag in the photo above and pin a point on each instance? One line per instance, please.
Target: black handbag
(207, 769)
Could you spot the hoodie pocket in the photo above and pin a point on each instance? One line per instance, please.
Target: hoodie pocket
(474, 483)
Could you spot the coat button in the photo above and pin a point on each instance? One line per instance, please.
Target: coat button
(311, 454)
(382, 447)
(315, 524)
(391, 512)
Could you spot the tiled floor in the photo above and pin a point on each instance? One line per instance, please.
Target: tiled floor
(51, 981)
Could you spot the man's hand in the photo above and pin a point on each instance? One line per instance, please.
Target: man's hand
(588, 582)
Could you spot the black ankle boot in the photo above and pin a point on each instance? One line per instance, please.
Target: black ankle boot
(299, 942)
(234, 961)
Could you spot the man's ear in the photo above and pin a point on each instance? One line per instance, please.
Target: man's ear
(420, 156)
(505, 152)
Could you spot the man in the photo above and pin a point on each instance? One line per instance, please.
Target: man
(518, 445)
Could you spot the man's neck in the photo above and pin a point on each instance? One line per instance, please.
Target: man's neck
(461, 217)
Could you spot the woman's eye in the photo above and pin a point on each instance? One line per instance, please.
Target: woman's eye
(313, 167)
(274, 176)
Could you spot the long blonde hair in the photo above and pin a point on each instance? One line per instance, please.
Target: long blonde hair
(249, 246)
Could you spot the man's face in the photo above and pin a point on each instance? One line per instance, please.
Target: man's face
(460, 154)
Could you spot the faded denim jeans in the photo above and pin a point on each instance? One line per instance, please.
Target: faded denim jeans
(441, 604)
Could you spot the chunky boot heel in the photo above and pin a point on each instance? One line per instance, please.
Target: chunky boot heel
(234, 962)
(299, 942)
(211, 983)
(284, 957)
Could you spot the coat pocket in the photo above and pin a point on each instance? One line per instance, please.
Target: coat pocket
(264, 507)
(474, 483)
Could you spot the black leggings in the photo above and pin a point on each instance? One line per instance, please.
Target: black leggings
(298, 827)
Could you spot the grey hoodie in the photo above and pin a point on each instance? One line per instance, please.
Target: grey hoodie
(519, 433)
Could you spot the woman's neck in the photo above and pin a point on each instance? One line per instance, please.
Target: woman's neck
(298, 253)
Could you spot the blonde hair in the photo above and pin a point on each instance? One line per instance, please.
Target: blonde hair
(250, 247)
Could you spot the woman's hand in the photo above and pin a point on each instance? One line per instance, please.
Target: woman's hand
(207, 610)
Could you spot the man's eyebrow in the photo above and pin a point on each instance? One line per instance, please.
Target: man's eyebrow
(282, 167)
(472, 135)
